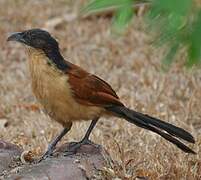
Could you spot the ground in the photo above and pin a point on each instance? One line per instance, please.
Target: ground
(129, 63)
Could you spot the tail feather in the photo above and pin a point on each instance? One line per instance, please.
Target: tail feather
(155, 125)
(173, 130)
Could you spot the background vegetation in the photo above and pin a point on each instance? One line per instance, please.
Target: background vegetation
(176, 24)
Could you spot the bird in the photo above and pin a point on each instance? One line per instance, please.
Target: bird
(69, 93)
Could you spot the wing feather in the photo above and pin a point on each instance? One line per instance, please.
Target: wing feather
(89, 89)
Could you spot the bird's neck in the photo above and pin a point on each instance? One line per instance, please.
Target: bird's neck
(56, 59)
(53, 58)
(38, 62)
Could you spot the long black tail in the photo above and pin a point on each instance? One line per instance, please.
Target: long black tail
(164, 129)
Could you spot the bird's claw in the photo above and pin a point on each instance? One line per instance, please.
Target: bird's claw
(46, 155)
(74, 146)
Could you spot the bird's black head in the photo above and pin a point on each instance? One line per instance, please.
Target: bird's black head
(41, 40)
(35, 38)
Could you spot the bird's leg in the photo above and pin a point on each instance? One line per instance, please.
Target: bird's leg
(85, 140)
(53, 144)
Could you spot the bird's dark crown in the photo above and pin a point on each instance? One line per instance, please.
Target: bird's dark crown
(42, 40)
(36, 38)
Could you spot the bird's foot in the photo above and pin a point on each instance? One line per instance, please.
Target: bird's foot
(74, 146)
(47, 154)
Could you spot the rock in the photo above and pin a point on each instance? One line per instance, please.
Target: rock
(85, 164)
(9, 153)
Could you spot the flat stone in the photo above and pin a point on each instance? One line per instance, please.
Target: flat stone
(9, 153)
(85, 164)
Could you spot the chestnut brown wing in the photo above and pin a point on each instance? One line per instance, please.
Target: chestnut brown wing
(90, 90)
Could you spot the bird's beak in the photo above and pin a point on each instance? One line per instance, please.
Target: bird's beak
(17, 36)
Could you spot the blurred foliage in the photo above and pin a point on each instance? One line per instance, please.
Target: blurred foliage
(176, 24)
(123, 11)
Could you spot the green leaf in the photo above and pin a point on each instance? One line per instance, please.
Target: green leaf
(194, 50)
(167, 61)
(181, 7)
(123, 15)
(103, 5)
(122, 18)
(176, 26)
(170, 30)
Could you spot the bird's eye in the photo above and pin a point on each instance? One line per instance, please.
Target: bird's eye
(26, 35)
(39, 41)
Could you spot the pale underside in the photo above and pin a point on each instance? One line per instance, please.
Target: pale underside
(53, 91)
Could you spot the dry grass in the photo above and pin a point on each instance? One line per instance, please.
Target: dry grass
(129, 63)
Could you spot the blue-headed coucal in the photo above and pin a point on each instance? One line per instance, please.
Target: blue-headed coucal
(68, 93)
